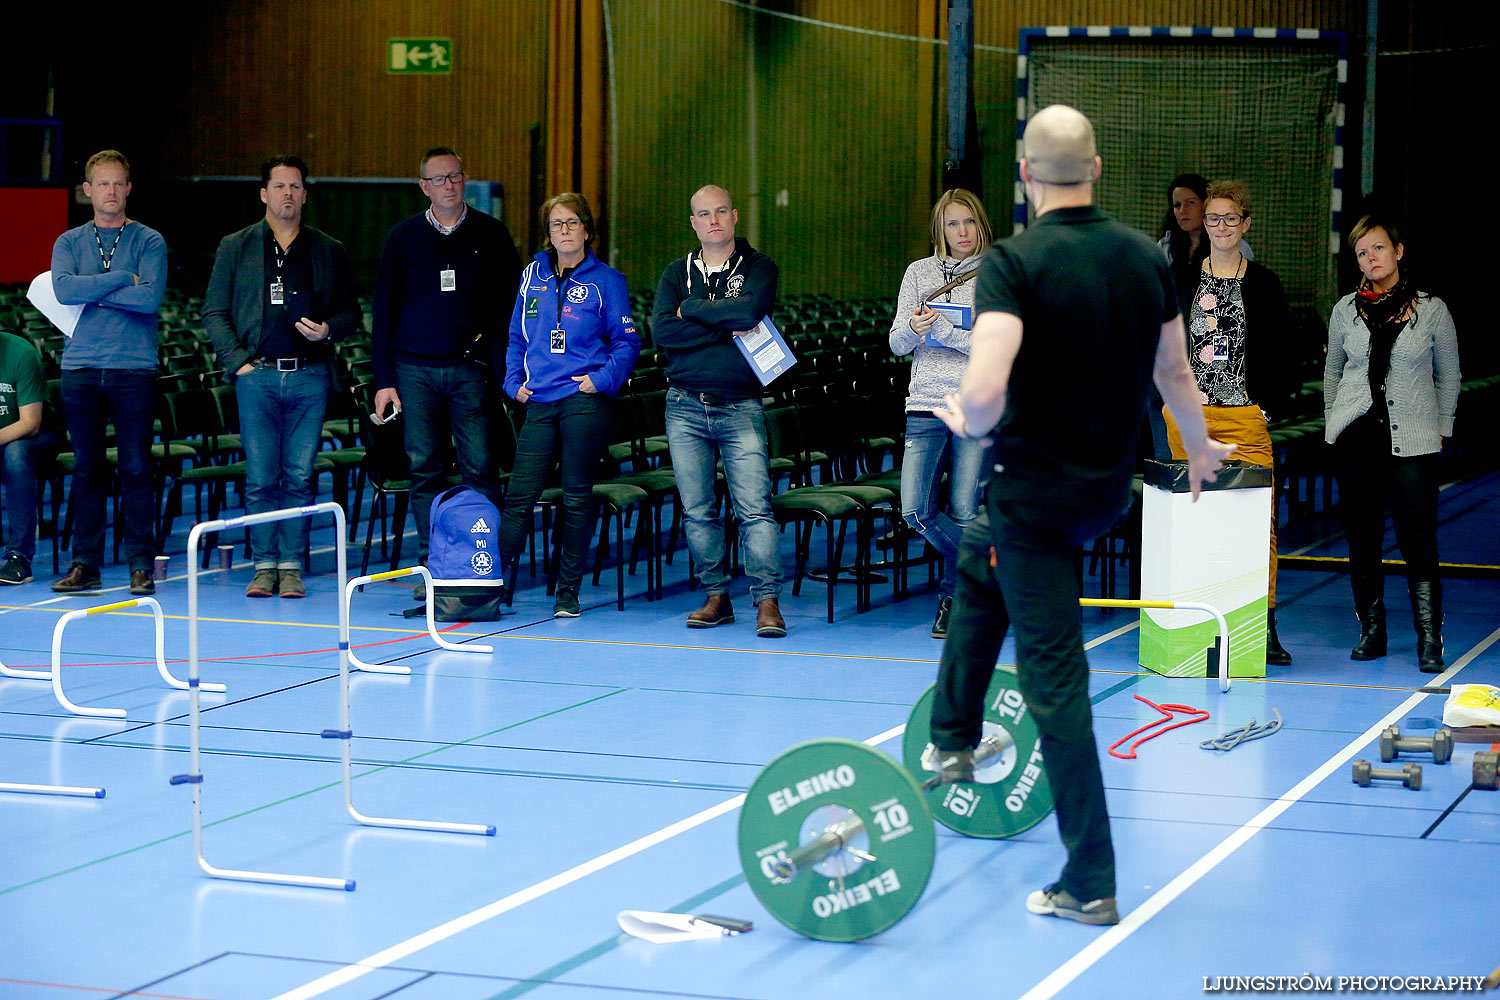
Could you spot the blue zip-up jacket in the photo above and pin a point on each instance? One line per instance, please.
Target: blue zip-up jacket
(599, 340)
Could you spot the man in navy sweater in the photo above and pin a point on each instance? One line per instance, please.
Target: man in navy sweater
(442, 306)
(703, 302)
(116, 269)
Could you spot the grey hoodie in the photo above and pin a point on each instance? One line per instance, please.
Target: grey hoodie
(935, 371)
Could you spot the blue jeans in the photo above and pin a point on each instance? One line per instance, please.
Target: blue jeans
(573, 430)
(439, 406)
(18, 464)
(281, 426)
(90, 398)
(699, 435)
(931, 450)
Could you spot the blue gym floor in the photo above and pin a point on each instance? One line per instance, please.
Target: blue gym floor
(609, 751)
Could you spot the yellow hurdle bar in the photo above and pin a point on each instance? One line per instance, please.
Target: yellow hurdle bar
(55, 676)
(395, 668)
(1110, 602)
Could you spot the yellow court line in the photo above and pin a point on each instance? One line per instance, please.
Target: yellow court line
(251, 621)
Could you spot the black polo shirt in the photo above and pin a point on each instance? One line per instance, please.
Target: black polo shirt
(282, 338)
(1092, 296)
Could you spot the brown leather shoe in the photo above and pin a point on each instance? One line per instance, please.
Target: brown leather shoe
(141, 584)
(78, 577)
(768, 621)
(716, 610)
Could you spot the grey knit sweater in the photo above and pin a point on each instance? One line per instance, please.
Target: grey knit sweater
(1421, 386)
(935, 371)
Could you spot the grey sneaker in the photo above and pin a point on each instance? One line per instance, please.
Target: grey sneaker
(566, 605)
(1055, 901)
(289, 583)
(263, 583)
(16, 571)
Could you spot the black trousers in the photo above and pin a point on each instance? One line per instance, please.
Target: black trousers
(1369, 478)
(1032, 584)
(571, 431)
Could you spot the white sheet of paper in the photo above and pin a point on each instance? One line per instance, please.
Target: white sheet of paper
(662, 928)
(65, 318)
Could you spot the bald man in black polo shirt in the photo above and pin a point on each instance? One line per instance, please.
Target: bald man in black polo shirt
(1096, 303)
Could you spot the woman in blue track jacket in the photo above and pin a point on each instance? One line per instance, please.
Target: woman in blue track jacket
(572, 345)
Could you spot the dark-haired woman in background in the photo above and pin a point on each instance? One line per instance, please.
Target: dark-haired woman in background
(1390, 390)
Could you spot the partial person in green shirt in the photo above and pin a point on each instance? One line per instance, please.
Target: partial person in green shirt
(22, 391)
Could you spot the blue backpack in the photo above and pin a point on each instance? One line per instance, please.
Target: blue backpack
(463, 557)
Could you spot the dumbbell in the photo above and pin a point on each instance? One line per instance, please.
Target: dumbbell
(1393, 744)
(1410, 774)
(1484, 770)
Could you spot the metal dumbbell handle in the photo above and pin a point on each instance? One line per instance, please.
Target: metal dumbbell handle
(835, 837)
(1410, 775)
(1440, 745)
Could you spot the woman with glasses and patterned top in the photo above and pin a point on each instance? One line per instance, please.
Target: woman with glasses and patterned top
(1390, 390)
(1239, 326)
(572, 345)
(939, 346)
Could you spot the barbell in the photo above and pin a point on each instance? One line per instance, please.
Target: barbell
(836, 838)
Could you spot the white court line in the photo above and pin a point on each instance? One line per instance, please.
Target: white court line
(1136, 918)
(458, 925)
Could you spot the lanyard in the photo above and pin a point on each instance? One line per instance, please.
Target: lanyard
(562, 280)
(108, 259)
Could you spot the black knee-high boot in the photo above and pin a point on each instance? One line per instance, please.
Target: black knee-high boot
(1276, 656)
(1427, 616)
(1369, 605)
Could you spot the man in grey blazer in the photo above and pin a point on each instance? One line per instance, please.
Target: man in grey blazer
(280, 294)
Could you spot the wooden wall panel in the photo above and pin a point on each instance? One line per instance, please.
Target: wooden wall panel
(310, 77)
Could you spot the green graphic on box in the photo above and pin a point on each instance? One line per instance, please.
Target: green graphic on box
(1181, 651)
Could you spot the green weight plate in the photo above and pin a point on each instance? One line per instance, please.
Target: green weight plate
(842, 897)
(1010, 793)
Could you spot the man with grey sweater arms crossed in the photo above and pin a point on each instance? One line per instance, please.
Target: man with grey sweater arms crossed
(116, 269)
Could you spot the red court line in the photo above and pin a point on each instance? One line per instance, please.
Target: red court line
(230, 659)
(99, 989)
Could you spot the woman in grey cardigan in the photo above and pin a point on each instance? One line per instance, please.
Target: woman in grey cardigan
(1396, 347)
(933, 293)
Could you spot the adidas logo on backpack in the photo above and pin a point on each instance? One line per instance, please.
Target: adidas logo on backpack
(480, 527)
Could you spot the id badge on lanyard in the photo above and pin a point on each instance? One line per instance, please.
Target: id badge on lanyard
(278, 293)
(448, 280)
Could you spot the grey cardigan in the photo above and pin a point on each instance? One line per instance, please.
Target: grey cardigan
(935, 371)
(1421, 386)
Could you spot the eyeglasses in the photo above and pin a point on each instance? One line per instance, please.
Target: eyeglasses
(457, 177)
(1229, 220)
(558, 225)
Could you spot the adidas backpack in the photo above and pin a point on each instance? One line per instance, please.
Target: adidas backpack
(463, 557)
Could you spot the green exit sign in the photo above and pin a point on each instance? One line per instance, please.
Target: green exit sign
(419, 55)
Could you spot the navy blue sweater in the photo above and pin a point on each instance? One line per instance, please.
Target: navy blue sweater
(416, 322)
(701, 355)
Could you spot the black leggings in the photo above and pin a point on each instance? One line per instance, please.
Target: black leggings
(1369, 478)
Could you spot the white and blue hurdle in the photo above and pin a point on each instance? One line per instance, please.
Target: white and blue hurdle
(396, 668)
(344, 734)
(55, 674)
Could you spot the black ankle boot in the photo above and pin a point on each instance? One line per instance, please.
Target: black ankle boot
(1275, 655)
(1427, 616)
(1369, 605)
